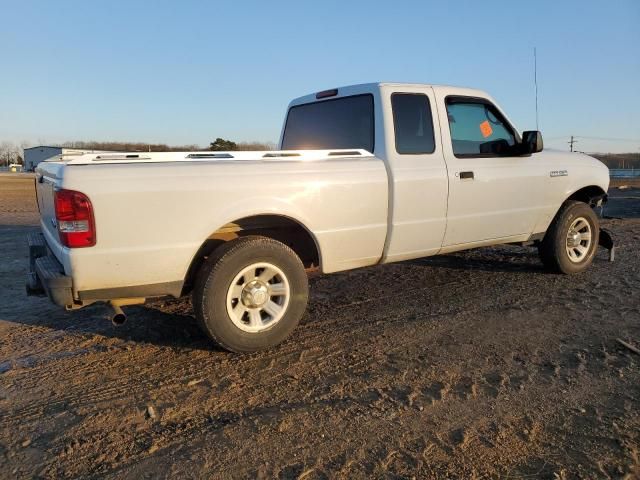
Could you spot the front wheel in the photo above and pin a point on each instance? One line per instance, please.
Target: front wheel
(250, 294)
(570, 243)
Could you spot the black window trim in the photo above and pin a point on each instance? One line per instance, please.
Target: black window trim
(393, 117)
(470, 99)
(334, 99)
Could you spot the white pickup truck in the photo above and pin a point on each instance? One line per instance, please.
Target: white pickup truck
(366, 174)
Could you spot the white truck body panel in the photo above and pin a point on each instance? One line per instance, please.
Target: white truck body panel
(164, 212)
(419, 186)
(153, 211)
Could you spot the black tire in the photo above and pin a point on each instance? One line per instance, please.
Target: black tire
(214, 281)
(553, 248)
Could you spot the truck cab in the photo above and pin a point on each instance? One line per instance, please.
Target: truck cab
(459, 173)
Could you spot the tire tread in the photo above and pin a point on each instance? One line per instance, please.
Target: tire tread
(217, 261)
(550, 253)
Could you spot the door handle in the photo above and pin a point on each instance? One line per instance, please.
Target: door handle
(466, 175)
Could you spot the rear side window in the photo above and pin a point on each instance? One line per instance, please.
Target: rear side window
(413, 123)
(478, 129)
(345, 122)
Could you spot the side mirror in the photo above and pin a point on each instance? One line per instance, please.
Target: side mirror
(532, 142)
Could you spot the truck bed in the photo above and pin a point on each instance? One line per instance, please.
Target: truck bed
(154, 211)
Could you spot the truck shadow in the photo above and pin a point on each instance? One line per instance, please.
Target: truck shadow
(147, 325)
(170, 322)
(153, 324)
(492, 259)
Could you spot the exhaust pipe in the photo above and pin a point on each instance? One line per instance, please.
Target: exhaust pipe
(118, 317)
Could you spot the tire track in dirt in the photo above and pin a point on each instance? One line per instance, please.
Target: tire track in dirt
(378, 399)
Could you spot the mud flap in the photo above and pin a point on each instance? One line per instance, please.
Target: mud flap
(606, 241)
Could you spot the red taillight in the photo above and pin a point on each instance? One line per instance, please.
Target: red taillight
(74, 215)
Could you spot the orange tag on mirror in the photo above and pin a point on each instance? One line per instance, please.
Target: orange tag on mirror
(486, 129)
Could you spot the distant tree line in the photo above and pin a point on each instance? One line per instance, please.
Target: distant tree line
(619, 160)
(130, 146)
(222, 145)
(11, 152)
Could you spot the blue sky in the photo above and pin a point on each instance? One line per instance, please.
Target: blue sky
(187, 72)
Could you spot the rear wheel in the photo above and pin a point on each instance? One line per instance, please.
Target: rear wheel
(250, 294)
(570, 243)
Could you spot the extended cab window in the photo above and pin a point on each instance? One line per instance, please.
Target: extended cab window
(412, 123)
(478, 129)
(345, 122)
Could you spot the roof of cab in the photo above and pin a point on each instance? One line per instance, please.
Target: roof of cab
(347, 90)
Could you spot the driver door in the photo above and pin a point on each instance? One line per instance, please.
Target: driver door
(493, 194)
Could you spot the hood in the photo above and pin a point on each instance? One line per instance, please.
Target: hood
(571, 159)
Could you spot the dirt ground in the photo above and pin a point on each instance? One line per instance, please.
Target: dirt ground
(472, 365)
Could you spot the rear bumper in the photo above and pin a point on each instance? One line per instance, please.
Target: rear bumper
(46, 274)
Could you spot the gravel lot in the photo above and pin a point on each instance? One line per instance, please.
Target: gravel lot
(469, 365)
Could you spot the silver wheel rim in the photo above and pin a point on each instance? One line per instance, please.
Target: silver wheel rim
(258, 297)
(578, 240)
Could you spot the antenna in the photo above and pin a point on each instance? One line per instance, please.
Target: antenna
(535, 82)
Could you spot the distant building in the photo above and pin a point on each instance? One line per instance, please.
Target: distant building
(34, 155)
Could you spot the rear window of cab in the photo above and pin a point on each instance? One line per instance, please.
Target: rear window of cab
(344, 122)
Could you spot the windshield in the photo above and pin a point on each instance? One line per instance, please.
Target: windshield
(345, 122)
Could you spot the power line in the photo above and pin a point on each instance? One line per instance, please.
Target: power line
(562, 137)
(571, 142)
(550, 139)
(609, 139)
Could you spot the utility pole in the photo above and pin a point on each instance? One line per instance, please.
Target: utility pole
(571, 142)
(535, 82)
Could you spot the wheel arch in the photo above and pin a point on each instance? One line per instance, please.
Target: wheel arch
(283, 228)
(590, 195)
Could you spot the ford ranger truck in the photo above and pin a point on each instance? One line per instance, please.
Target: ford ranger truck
(365, 175)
